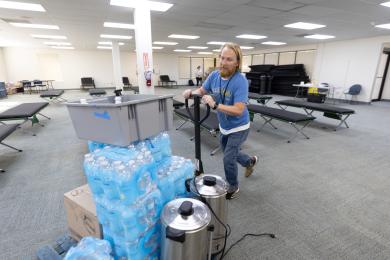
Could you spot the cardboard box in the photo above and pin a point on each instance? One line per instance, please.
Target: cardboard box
(81, 213)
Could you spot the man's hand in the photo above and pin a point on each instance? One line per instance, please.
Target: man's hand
(187, 93)
(209, 100)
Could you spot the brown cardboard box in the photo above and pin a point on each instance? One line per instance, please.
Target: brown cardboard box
(81, 213)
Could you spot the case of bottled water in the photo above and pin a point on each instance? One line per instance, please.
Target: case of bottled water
(130, 186)
(90, 248)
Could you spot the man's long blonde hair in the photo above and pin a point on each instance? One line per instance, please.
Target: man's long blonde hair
(237, 50)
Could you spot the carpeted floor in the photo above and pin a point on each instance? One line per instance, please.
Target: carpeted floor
(324, 198)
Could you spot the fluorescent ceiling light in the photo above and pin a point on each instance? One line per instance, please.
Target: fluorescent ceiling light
(198, 47)
(154, 6)
(273, 43)
(205, 52)
(63, 47)
(217, 50)
(319, 36)
(251, 36)
(182, 36)
(305, 26)
(165, 43)
(36, 26)
(384, 26)
(119, 25)
(41, 36)
(246, 47)
(111, 36)
(104, 47)
(22, 6)
(58, 43)
(216, 43)
(387, 4)
(179, 50)
(110, 43)
(157, 47)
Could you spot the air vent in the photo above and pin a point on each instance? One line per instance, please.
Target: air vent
(14, 20)
(213, 26)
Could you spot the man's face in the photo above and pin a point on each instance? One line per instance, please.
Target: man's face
(228, 62)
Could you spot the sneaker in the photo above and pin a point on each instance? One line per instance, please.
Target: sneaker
(249, 169)
(232, 193)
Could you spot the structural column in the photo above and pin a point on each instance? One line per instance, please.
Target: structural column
(116, 64)
(143, 43)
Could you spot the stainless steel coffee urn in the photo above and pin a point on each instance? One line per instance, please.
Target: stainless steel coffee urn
(213, 188)
(184, 230)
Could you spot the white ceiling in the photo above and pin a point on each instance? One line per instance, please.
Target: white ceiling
(213, 20)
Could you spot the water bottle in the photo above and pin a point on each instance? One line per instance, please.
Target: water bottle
(126, 179)
(93, 177)
(108, 180)
(166, 144)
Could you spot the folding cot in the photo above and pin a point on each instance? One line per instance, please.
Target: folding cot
(338, 113)
(25, 112)
(53, 95)
(211, 124)
(259, 98)
(97, 92)
(5, 131)
(270, 113)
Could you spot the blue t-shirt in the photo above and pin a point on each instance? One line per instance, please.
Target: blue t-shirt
(228, 92)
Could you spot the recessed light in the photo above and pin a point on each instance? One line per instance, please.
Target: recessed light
(63, 47)
(387, 4)
(198, 47)
(112, 36)
(119, 25)
(217, 50)
(157, 47)
(165, 43)
(251, 36)
(110, 43)
(104, 47)
(216, 43)
(205, 52)
(246, 47)
(36, 26)
(319, 36)
(305, 26)
(179, 50)
(41, 36)
(273, 43)
(58, 43)
(22, 6)
(182, 36)
(154, 6)
(384, 26)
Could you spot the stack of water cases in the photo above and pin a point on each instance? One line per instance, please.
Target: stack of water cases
(130, 186)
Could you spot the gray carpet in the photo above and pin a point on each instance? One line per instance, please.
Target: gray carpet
(324, 198)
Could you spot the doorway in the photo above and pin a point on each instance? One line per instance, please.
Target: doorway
(381, 89)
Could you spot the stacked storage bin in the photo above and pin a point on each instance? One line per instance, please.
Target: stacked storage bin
(130, 186)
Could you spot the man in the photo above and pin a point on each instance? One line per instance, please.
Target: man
(230, 90)
(198, 75)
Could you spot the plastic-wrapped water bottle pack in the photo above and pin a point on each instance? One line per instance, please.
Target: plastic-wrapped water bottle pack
(90, 248)
(130, 186)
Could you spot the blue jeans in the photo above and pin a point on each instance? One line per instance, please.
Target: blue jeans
(231, 155)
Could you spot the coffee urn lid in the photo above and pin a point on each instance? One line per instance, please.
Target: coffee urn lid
(210, 185)
(185, 214)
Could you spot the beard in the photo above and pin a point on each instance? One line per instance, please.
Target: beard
(226, 73)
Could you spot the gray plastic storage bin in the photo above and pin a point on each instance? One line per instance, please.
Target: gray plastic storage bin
(136, 118)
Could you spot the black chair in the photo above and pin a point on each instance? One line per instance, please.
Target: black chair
(165, 79)
(27, 86)
(353, 91)
(38, 84)
(126, 82)
(87, 82)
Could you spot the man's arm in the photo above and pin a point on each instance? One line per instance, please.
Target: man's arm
(200, 91)
(235, 110)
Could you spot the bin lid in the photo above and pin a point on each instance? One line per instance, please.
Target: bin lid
(210, 185)
(186, 214)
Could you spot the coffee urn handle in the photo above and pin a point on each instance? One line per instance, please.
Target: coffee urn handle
(175, 234)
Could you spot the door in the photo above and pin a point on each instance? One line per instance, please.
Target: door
(381, 82)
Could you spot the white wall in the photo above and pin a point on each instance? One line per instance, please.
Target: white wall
(3, 71)
(24, 63)
(345, 63)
